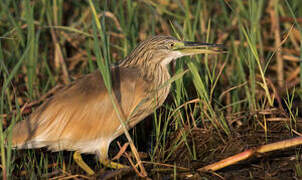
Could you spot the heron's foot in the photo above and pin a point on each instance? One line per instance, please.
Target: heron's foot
(78, 159)
(113, 165)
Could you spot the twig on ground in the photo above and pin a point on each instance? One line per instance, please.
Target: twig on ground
(251, 152)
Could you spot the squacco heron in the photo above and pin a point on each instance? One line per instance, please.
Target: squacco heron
(81, 117)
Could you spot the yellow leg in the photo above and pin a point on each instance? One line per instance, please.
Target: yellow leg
(103, 157)
(78, 159)
(113, 165)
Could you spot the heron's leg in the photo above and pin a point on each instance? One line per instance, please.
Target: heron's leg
(103, 158)
(111, 164)
(78, 159)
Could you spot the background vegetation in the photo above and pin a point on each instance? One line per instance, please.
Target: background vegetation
(223, 105)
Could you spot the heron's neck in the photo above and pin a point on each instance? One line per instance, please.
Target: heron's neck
(153, 71)
(156, 76)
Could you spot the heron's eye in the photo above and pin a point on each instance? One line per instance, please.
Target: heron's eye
(172, 45)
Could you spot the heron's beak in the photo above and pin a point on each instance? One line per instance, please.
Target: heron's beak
(188, 48)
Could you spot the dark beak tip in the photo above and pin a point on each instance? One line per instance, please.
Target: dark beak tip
(191, 43)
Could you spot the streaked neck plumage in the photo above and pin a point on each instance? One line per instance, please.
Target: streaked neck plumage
(156, 74)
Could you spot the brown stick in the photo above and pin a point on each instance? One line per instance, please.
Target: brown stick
(121, 152)
(250, 152)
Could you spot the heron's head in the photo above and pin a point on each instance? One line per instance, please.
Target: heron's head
(163, 49)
